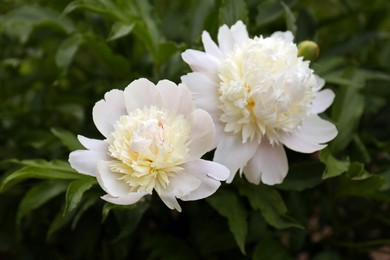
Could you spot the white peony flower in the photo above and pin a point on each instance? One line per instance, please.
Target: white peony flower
(154, 140)
(261, 96)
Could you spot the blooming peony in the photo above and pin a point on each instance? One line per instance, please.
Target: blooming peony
(154, 140)
(261, 96)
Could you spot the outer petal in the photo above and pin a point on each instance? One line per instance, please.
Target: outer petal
(287, 36)
(225, 39)
(175, 97)
(169, 199)
(109, 181)
(234, 154)
(202, 134)
(210, 174)
(310, 138)
(129, 199)
(239, 32)
(204, 90)
(201, 61)
(141, 93)
(269, 164)
(85, 161)
(106, 112)
(210, 46)
(322, 101)
(182, 184)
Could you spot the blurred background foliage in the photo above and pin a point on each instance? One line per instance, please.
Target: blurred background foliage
(57, 58)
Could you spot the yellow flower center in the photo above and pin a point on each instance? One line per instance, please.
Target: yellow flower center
(148, 146)
(264, 89)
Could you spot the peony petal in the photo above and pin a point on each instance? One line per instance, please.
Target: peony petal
(182, 184)
(234, 154)
(110, 182)
(225, 40)
(210, 174)
(239, 32)
(85, 161)
(107, 111)
(269, 164)
(201, 61)
(310, 137)
(322, 101)
(202, 134)
(210, 46)
(141, 93)
(204, 90)
(130, 198)
(169, 199)
(93, 144)
(287, 36)
(175, 97)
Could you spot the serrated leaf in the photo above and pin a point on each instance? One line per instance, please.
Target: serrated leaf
(366, 187)
(40, 169)
(268, 200)
(119, 30)
(67, 139)
(75, 192)
(39, 195)
(67, 50)
(333, 166)
(228, 205)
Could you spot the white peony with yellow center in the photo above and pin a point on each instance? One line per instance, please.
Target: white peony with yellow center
(261, 96)
(154, 141)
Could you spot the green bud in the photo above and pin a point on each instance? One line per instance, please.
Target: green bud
(309, 50)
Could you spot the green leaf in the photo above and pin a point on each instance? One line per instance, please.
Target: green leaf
(361, 187)
(334, 167)
(75, 191)
(20, 22)
(228, 205)
(302, 176)
(347, 109)
(128, 218)
(327, 255)
(290, 19)
(59, 221)
(119, 30)
(67, 50)
(67, 139)
(268, 248)
(40, 169)
(39, 195)
(118, 65)
(268, 11)
(89, 200)
(268, 200)
(233, 10)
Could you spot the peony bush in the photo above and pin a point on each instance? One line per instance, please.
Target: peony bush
(194, 129)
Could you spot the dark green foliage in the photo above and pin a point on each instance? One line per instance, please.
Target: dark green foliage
(57, 58)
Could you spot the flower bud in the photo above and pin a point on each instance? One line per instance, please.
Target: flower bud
(309, 50)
